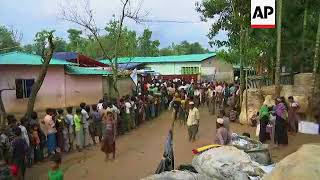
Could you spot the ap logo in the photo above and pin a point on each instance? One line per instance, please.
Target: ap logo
(263, 14)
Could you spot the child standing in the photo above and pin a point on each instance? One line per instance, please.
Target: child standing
(60, 127)
(35, 141)
(55, 173)
(78, 129)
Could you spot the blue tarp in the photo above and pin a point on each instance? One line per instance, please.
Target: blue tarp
(65, 55)
(129, 65)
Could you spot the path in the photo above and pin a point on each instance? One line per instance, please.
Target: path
(139, 152)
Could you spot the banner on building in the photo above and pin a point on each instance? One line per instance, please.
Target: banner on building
(263, 14)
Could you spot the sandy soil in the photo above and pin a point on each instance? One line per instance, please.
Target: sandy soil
(139, 152)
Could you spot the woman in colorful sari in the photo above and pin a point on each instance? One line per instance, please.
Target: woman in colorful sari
(281, 135)
(264, 120)
(109, 137)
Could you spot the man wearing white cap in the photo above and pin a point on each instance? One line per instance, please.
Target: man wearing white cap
(223, 136)
(193, 121)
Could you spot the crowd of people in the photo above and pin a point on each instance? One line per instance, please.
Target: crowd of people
(276, 121)
(33, 139)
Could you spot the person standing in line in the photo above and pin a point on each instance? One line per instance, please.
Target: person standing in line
(281, 134)
(293, 117)
(70, 125)
(109, 137)
(97, 124)
(193, 121)
(51, 131)
(78, 124)
(264, 116)
(128, 118)
(19, 152)
(35, 141)
(60, 125)
(25, 136)
(85, 121)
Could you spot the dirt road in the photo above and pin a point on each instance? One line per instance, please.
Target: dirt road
(139, 152)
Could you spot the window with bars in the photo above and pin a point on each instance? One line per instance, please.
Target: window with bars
(23, 88)
(190, 70)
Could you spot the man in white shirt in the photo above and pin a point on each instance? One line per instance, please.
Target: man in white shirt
(193, 121)
(100, 105)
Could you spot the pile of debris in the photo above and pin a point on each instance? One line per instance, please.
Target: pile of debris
(226, 162)
(257, 151)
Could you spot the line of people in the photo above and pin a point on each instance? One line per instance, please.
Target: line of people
(62, 131)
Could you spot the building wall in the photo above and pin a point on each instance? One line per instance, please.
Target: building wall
(83, 88)
(51, 93)
(125, 86)
(223, 70)
(171, 68)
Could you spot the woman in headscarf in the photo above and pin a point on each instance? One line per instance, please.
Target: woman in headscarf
(281, 135)
(264, 120)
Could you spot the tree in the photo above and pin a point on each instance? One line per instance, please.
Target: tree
(44, 38)
(87, 22)
(60, 44)
(147, 47)
(278, 62)
(9, 40)
(183, 48)
(76, 42)
(234, 16)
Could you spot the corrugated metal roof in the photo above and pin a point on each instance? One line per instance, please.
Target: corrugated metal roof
(76, 70)
(20, 58)
(163, 59)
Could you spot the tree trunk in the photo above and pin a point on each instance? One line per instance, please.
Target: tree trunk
(42, 74)
(3, 112)
(242, 78)
(316, 88)
(278, 61)
(305, 15)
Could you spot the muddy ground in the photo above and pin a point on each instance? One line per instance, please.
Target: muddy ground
(139, 152)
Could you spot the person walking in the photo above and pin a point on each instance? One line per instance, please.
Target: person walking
(193, 121)
(109, 137)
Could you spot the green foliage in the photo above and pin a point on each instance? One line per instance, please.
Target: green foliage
(183, 48)
(7, 40)
(130, 44)
(234, 15)
(146, 46)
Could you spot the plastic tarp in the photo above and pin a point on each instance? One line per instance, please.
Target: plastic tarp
(308, 127)
(167, 163)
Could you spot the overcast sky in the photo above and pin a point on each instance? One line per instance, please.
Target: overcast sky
(31, 16)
